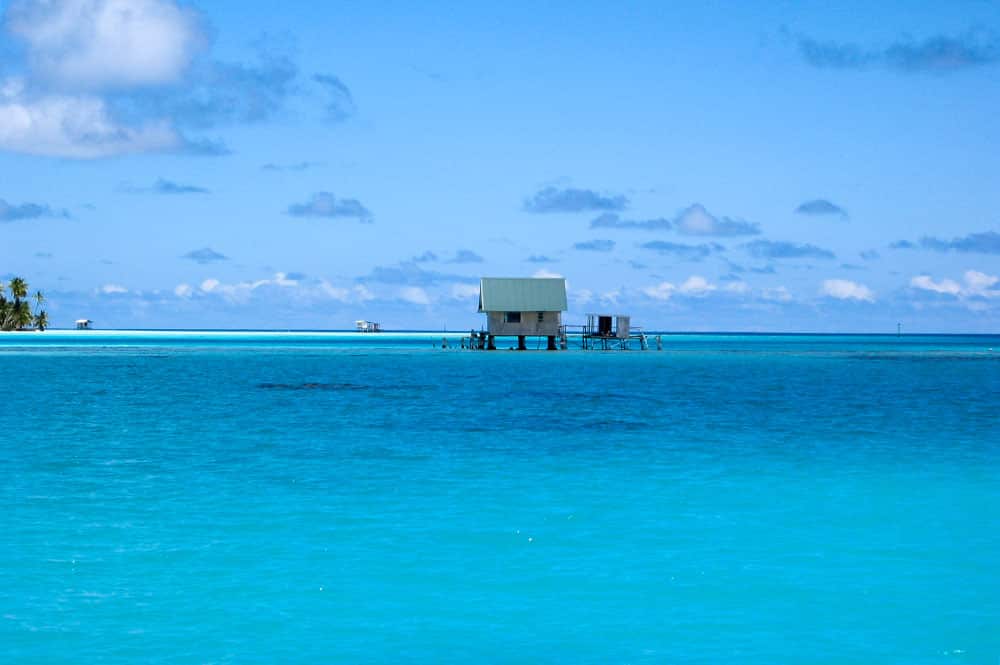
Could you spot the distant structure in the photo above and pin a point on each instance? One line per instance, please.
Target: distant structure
(603, 329)
(83, 324)
(367, 326)
(522, 307)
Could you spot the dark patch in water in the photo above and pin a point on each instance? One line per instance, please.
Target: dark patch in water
(928, 357)
(311, 386)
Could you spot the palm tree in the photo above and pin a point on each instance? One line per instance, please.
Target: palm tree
(18, 288)
(6, 311)
(16, 314)
(22, 313)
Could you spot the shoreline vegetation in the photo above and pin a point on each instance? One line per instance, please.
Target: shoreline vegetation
(16, 313)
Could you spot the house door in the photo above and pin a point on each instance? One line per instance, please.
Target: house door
(604, 325)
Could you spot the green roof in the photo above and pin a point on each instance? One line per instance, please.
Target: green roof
(522, 294)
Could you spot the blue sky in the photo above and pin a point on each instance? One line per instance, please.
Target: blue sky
(732, 166)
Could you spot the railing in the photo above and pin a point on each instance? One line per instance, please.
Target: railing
(592, 331)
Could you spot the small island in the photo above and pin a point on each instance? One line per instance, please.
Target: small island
(16, 312)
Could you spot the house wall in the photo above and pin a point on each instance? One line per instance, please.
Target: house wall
(529, 325)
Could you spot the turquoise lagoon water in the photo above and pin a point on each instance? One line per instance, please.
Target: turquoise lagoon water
(217, 497)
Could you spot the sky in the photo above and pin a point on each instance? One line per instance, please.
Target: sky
(753, 166)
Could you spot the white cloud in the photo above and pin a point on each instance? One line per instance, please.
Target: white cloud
(183, 290)
(925, 283)
(545, 273)
(78, 50)
(113, 288)
(977, 284)
(415, 295)
(280, 279)
(464, 291)
(581, 296)
(697, 221)
(98, 44)
(241, 291)
(77, 126)
(981, 284)
(611, 297)
(335, 292)
(843, 289)
(661, 291)
(304, 291)
(737, 287)
(697, 286)
(694, 286)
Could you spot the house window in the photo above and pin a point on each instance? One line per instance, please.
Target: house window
(512, 317)
(541, 317)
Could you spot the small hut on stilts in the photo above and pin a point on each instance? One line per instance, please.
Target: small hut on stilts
(522, 308)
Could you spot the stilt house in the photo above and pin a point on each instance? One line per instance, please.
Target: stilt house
(523, 307)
